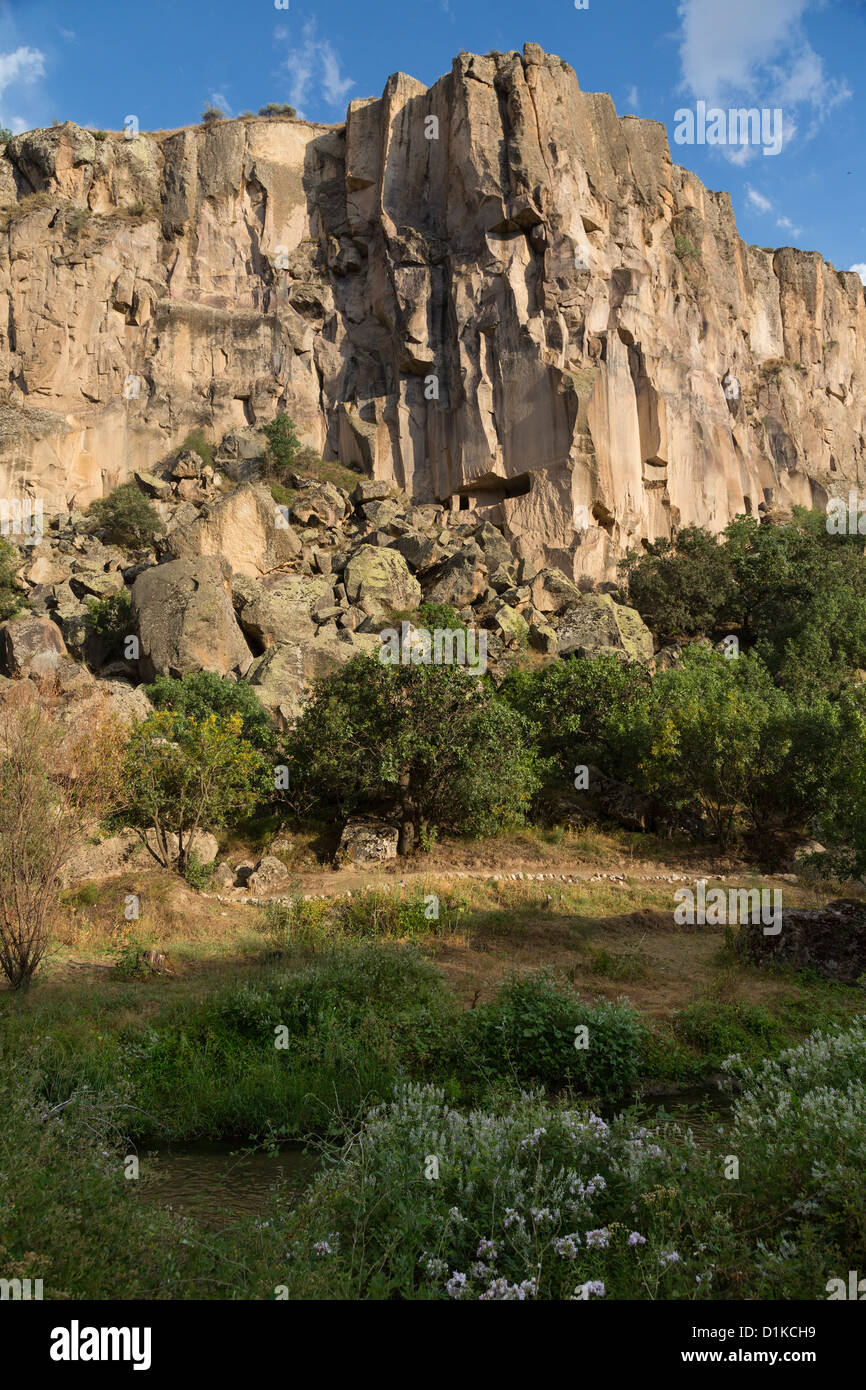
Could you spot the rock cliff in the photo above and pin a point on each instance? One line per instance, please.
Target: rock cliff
(493, 293)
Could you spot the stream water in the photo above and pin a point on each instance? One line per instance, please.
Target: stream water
(216, 1184)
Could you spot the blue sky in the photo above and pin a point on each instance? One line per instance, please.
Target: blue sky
(97, 61)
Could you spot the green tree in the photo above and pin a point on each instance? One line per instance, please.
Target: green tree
(201, 693)
(283, 445)
(432, 744)
(681, 588)
(716, 734)
(126, 517)
(185, 775)
(572, 707)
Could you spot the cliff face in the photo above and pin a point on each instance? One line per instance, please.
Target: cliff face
(521, 302)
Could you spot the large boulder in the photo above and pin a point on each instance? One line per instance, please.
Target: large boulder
(30, 645)
(268, 874)
(186, 621)
(379, 579)
(597, 626)
(320, 503)
(281, 677)
(247, 527)
(366, 841)
(461, 581)
(280, 608)
(552, 592)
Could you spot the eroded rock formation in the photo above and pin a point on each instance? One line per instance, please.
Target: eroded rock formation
(493, 290)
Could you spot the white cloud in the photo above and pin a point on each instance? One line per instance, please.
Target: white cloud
(632, 99)
(315, 65)
(21, 65)
(759, 55)
(860, 269)
(757, 200)
(787, 225)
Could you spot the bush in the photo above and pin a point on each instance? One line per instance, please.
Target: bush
(529, 1033)
(575, 709)
(50, 780)
(680, 589)
(211, 114)
(111, 620)
(198, 875)
(201, 693)
(183, 775)
(126, 518)
(296, 922)
(11, 598)
(274, 108)
(519, 1200)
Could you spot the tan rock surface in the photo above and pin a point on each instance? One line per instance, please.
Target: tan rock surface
(542, 347)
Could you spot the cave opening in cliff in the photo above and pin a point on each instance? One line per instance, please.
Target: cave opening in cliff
(489, 490)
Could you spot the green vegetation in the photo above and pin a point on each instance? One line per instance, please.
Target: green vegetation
(126, 518)
(111, 620)
(202, 693)
(211, 114)
(198, 443)
(438, 747)
(11, 598)
(530, 1196)
(184, 775)
(275, 108)
(684, 250)
(284, 446)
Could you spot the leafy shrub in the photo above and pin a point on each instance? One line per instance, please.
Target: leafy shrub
(183, 775)
(529, 1201)
(200, 693)
(275, 108)
(11, 598)
(197, 875)
(681, 589)
(295, 922)
(529, 1032)
(126, 517)
(111, 620)
(211, 114)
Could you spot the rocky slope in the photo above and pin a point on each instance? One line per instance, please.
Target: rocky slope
(278, 593)
(493, 293)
